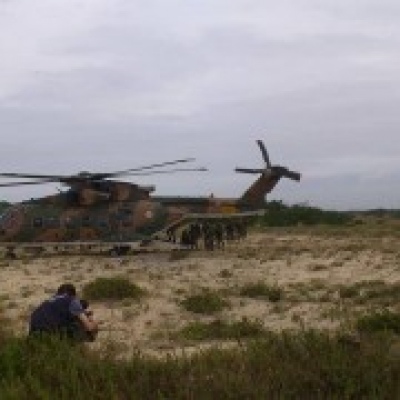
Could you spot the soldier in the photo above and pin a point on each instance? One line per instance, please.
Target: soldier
(229, 231)
(237, 229)
(243, 229)
(219, 235)
(171, 235)
(194, 233)
(63, 315)
(208, 233)
(185, 240)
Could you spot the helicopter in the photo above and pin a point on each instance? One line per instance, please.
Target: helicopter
(98, 210)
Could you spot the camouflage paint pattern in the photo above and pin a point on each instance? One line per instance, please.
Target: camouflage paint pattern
(107, 210)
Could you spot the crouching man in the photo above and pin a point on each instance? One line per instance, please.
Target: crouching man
(65, 316)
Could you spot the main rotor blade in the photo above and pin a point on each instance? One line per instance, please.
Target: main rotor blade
(264, 153)
(249, 170)
(13, 184)
(168, 171)
(89, 175)
(158, 165)
(31, 176)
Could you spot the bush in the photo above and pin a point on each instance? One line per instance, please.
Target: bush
(303, 365)
(347, 292)
(3, 323)
(112, 289)
(380, 321)
(205, 303)
(262, 290)
(278, 214)
(4, 205)
(386, 294)
(225, 273)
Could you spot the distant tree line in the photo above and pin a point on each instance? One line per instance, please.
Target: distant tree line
(4, 205)
(381, 212)
(279, 214)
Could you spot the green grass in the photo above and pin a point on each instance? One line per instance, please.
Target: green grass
(4, 334)
(208, 302)
(272, 293)
(380, 321)
(385, 294)
(306, 365)
(116, 288)
(222, 330)
(279, 214)
(348, 292)
(374, 292)
(225, 273)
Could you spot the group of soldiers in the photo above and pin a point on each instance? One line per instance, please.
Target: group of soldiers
(208, 235)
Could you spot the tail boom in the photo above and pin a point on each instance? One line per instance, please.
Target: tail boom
(254, 196)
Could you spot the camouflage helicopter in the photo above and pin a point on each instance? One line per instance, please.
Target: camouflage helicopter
(96, 209)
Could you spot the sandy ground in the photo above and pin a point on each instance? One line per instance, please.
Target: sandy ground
(311, 270)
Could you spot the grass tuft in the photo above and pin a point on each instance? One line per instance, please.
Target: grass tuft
(208, 302)
(380, 321)
(222, 330)
(348, 292)
(262, 290)
(305, 365)
(116, 288)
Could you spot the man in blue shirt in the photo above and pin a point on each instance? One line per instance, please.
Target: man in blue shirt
(63, 315)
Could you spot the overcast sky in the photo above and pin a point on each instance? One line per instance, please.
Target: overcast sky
(103, 85)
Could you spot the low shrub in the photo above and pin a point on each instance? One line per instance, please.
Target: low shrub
(3, 331)
(205, 303)
(386, 294)
(380, 321)
(225, 273)
(302, 365)
(347, 292)
(262, 290)
(116, 288)
(279, 214)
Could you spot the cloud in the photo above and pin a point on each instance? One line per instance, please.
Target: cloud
(100, 85)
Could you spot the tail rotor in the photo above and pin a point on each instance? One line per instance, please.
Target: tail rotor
(269, 169)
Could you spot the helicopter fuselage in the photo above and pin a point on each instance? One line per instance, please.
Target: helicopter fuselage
(97, 208)
(90, 215)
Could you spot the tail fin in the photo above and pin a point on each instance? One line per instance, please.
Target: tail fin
(254, 196)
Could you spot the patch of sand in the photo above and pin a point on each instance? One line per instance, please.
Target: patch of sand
(310, 269)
